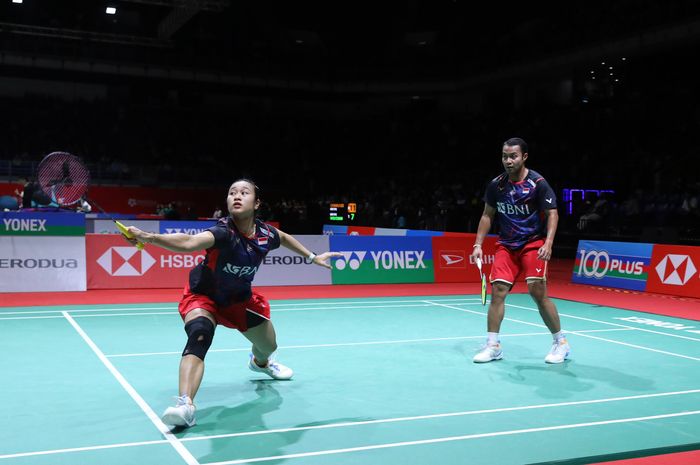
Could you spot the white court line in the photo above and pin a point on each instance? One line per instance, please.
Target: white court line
(274, 310)
(453, 438)
(364, 343)
(444, 415)
(165, 431)
(48, 317)
(611, 324)
(82, 449)
(97, 309)
(578, 333)
(273, 305)
(361, 423)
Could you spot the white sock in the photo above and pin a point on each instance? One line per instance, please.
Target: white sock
(557, 336)
(492, 339)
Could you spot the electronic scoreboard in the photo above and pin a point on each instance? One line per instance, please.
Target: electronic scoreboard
(342, 213)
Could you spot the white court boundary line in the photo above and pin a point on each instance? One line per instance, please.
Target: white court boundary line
(452, 438)
(579, 333)
(164, 430)
(278, 307)
(174, 313)
(364, 343)
(612, 324)
(360, 423)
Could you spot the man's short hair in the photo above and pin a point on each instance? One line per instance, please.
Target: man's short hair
(517, 141)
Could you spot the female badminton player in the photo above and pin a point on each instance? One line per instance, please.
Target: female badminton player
(219, 290)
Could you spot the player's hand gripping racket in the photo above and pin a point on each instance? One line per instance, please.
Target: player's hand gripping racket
(65, 179)
(483, 281)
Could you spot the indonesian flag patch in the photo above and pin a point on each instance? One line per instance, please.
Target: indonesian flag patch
(262, 240)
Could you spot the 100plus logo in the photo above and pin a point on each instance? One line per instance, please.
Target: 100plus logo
(598, 263)
(624, 265)
(383, 259)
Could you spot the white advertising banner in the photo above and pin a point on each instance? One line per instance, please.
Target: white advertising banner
(108, 226)
(282, 267)
(32, 264)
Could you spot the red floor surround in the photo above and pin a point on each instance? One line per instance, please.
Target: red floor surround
(559, 285)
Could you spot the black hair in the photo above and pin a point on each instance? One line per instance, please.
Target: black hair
(251, 182)
(517, 141)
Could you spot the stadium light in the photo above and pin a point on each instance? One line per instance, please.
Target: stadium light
(111, 10)
(16, 1)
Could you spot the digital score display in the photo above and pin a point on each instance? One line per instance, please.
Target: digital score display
(342, 212)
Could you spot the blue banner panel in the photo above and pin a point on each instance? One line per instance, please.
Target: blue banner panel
(623, 265)
(187, 227)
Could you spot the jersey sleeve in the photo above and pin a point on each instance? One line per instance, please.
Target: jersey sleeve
(490, 194)
(545, 195)
(221, 234)
(274, 241)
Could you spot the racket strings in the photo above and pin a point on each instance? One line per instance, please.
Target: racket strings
(63, 177)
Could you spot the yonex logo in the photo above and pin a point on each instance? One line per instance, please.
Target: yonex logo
(353, 259)
(675, 270)
(385, 259)
(126, 261)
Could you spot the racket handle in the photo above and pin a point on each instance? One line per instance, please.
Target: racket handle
(478, 263)
(125, 232)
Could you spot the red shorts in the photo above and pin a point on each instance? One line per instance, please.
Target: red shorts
(231, 316)
(508, 264)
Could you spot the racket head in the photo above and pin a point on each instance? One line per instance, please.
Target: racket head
(63, 177)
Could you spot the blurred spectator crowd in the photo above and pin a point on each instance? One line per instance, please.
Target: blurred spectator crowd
(412, 164)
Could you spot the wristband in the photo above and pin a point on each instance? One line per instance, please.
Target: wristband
(476, 245)
(311, 256)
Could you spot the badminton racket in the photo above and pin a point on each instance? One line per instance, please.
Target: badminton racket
(65, 179)
(483, 281)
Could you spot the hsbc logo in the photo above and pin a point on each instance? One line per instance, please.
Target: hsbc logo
(675, 270)
(126, 261)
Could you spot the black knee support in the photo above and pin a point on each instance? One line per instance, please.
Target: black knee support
(200, 333)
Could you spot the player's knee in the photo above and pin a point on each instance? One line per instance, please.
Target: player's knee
(200, 334)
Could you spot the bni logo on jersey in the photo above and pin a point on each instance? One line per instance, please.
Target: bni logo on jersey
(126, 261)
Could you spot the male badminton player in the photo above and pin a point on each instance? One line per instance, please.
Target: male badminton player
(526, 209)
(219, 290)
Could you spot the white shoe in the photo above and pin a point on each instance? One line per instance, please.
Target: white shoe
(559, 351)
(273, 369)
(180, 415)
(489, 353)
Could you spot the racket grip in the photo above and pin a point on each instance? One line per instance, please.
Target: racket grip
(125, 232)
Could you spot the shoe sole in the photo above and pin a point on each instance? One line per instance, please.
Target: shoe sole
(176, 420)
(566, 357)
(499, 357)
(268, 374)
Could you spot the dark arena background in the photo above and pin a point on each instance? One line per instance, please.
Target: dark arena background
(372, 130)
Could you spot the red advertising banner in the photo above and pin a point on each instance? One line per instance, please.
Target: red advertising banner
(674, 270)
(361, 231)
(452, 262)
(114, 264)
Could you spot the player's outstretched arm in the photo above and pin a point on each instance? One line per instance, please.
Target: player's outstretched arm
(177, 242)
(288, 241)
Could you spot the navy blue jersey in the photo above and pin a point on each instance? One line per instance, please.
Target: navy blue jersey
(230, 265)
(519, 207)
